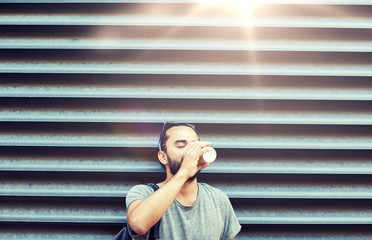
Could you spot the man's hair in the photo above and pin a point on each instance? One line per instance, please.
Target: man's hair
(164, 137)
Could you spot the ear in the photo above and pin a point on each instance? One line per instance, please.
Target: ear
(163, 157)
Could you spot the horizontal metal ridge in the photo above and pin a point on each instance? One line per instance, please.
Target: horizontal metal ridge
(143, 20)
(23, 164)
(180, 92)
(189, 44)
(264, 211)
(236, 142)
(68, 210)
(229, 161)
(286, 167)
(15, 231)
(192, 69)
(150, 116)
(305, 232)
(31, 234)
(44, 214)
(38, 188)
(37, 231)
(317, 219)
(264, 218)
(60, 217)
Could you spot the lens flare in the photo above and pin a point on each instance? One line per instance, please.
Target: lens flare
(244, 8)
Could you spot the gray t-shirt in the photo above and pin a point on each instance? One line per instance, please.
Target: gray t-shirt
(210, 218)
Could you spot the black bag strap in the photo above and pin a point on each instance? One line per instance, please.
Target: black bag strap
(153, 186)
(154, 232)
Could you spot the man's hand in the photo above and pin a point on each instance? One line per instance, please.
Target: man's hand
(191, 165)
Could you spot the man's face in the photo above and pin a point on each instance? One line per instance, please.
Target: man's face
(178, 139)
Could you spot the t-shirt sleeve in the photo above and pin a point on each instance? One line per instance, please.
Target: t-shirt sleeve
(232, 226)
(138, 192)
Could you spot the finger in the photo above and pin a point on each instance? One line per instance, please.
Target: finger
(206, 149)
(202, 165)
(193, 146)
(198, 145)
(205, 143)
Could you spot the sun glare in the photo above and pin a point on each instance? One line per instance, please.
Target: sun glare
(244, 7)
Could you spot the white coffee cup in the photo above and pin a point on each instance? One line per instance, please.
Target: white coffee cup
(209, 156)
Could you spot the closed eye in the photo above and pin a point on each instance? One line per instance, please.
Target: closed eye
(181, 143)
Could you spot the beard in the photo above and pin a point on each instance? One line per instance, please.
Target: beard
(174, 166)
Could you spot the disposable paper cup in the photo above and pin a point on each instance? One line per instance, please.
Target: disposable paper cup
(210, 156)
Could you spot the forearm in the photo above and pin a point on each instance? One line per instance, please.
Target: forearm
(147, 212)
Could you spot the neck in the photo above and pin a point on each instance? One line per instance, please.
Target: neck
(188, 193)
(188, 188)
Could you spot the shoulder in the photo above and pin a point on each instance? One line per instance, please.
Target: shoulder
(141, 189)
(209, 188)
(138, 192)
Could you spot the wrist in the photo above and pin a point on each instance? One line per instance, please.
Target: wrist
(181, 176)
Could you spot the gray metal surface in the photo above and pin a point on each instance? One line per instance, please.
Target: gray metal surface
(283, 92)
(294, 22)
(185, 87)
(191, 69)
(327, 2)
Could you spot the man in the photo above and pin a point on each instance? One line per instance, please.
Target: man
(187, 209)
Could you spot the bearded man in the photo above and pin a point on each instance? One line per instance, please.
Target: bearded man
(187, 210)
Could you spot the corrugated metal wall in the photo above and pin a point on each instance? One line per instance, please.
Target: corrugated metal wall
(284, 94)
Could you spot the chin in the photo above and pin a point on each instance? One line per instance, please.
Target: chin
(194, 177)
